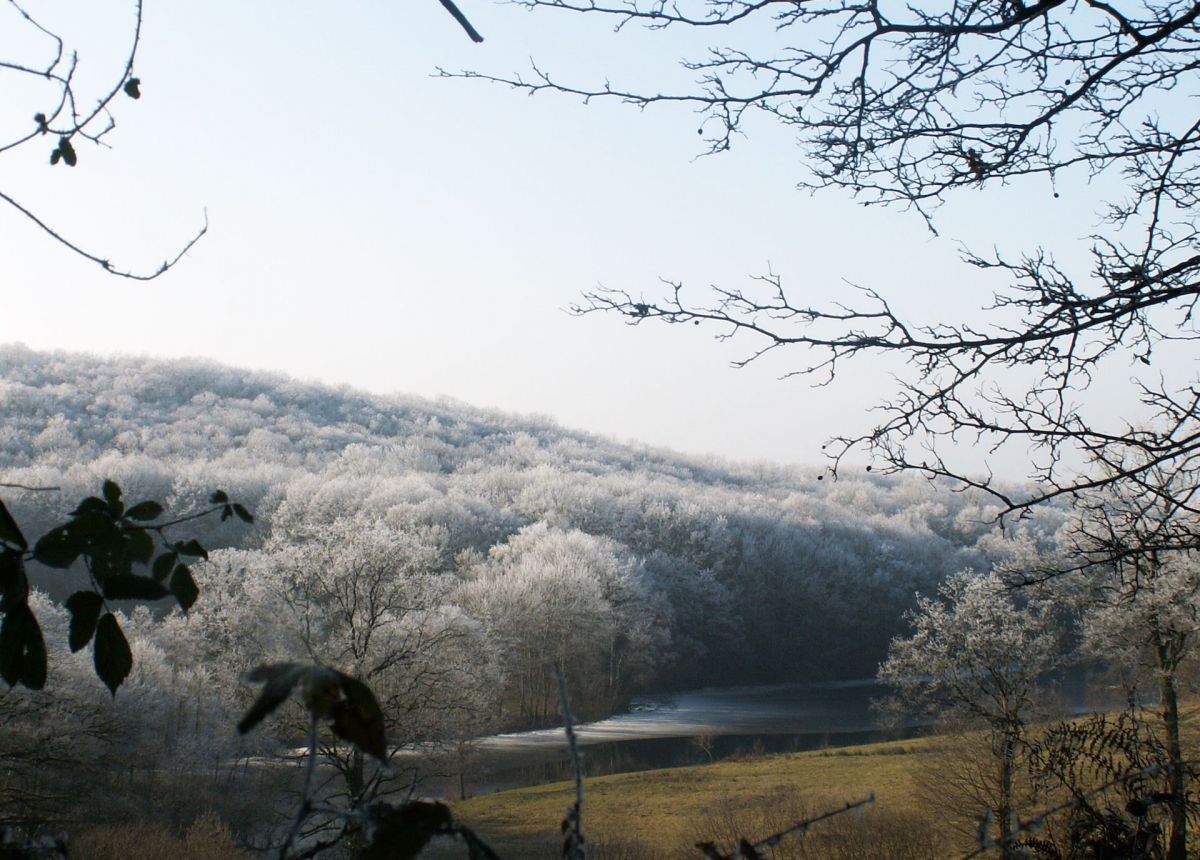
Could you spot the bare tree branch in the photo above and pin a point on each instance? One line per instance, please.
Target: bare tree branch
(462, 20)
(905, 103)
(100, 261)
(67, 121)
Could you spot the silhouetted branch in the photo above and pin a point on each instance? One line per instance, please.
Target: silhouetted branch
(888, 104)
(65, 122)
(100, 261)
(306, 802)
(1063, 335)
(746, 850)
(462, 20)
(902, 104)
(574, 845)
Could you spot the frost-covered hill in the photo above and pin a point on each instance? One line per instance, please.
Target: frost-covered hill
(758, 572)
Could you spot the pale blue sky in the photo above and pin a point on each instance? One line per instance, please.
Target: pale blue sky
(375, 226)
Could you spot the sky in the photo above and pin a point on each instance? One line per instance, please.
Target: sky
(373, 225)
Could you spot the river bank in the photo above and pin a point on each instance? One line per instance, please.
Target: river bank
(675, 730)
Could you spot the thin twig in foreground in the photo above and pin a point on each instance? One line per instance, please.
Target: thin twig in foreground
(746, 849)
(100, 261)
(306, 802)
(573, 841)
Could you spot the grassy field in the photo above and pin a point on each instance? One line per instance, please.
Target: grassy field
(919, 810)
(662, 813)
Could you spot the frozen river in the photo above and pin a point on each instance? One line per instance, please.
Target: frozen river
(789, 709)
(687, 728)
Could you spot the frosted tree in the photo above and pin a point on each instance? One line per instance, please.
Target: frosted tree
(976, 654)
(555, 601)
(73, 752)
(1139, 599)
(370, 600)
(1145, 620)
(50, 741)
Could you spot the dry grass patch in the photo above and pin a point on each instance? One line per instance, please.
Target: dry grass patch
(660, 813)
(206, 838)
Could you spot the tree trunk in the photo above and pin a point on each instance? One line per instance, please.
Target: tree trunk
(355, 781)
(1177, 847)
(355, 787)
(1004, 812)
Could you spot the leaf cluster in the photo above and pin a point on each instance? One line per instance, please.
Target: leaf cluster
(127, 556)
(328, 694)
(392, 832)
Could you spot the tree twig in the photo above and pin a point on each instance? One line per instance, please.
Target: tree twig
(462, 20)
(747, 849)
(574, 845)
(101, 261)
(306, 804)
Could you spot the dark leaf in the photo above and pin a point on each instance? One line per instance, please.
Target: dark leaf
(218, 498)
(59, 547)
(93, 506)
(12, 643)
(9, 532)
(192, 548)
(105, 565)
(242, 514)
(163, 565)
(129, 587)
(143, 511)
(111, 653)
(322, 691)
(55, 156)
(131, 88)
(99, 531)
(33, 674)
(267, 671)
(106, 545)
(280, 679)
(358, 718)
(112, 495)
(68, 152)
(22, 649)
(14, 586)
(85, 607)
(139, 544)
(402, 832)
(184, 587)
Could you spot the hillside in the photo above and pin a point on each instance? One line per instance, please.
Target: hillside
(754, 572)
